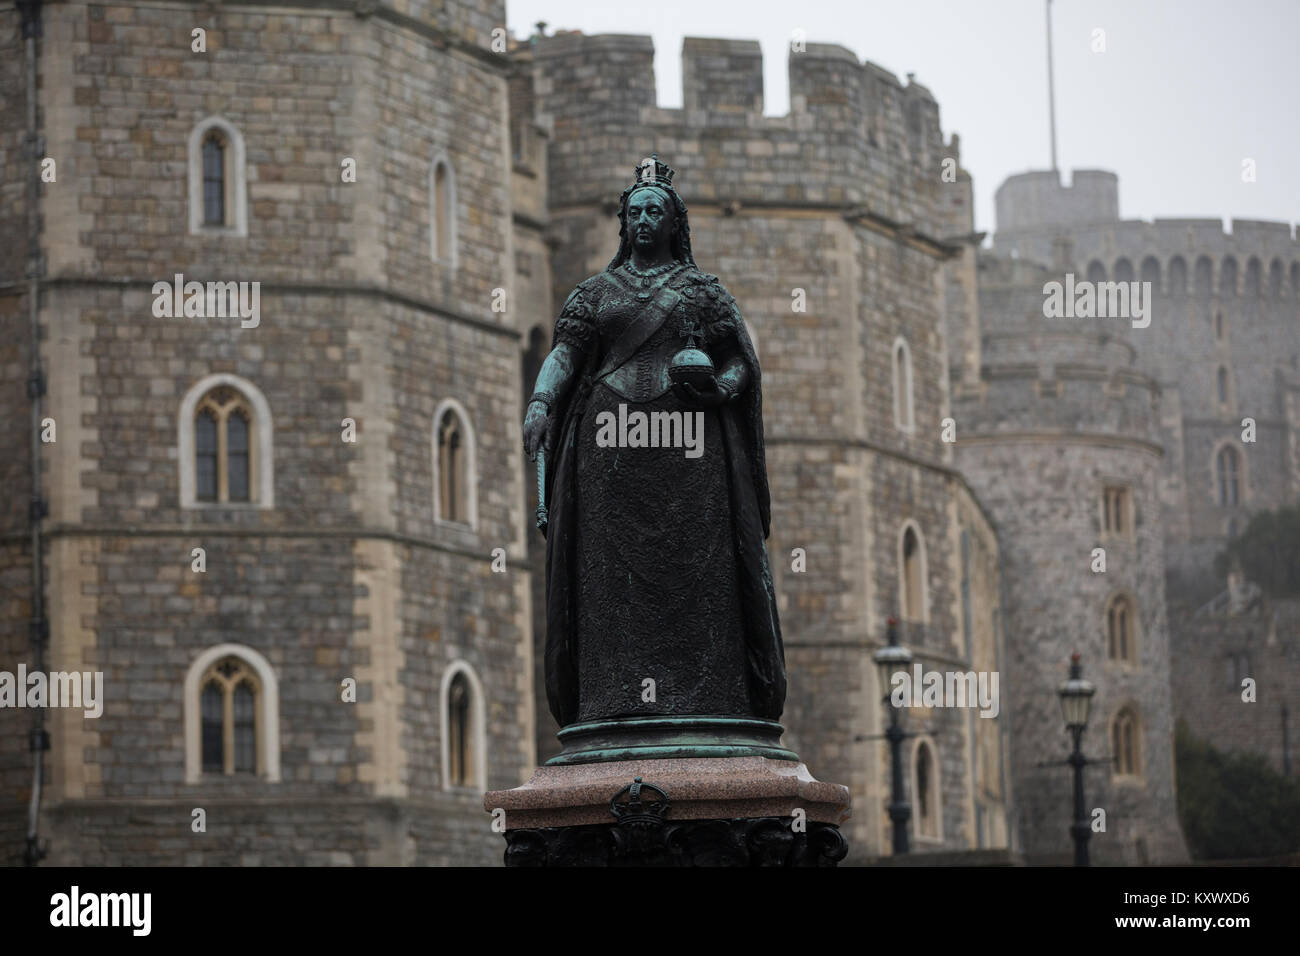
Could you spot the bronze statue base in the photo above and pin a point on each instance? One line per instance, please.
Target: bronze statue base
(660, 738)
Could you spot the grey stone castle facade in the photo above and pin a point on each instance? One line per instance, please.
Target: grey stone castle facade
(358, 660)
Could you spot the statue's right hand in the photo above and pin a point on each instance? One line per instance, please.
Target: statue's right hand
(537, 422)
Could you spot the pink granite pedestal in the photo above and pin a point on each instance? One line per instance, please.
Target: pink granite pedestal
(733, 811)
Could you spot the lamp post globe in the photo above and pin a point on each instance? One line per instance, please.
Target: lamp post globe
(890, 659)
(1076, 702)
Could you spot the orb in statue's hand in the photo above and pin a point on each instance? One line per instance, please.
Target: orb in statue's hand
(693, 367)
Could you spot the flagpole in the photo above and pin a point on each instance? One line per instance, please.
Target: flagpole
(1051, 87)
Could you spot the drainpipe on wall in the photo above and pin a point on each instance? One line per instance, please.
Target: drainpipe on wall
(39, 627)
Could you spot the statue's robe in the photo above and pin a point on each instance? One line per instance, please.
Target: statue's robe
(659, 592)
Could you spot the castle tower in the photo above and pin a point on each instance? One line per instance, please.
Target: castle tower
(1061, 442)
(273, 531)
(1224, 345)
(835, 230)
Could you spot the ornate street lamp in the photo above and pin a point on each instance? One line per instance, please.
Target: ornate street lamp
(1076, 701)
(890, 659)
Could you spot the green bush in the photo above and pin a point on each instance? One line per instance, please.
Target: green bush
(1268, 551)
(1233, 806)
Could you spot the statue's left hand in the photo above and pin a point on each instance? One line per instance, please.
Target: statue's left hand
(707, 398)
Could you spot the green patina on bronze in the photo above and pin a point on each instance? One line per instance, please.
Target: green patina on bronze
(657, 567)
(660, 738)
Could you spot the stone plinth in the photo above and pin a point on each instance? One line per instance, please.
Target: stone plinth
(715, 811)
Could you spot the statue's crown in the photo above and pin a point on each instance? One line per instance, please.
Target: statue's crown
(651, 172)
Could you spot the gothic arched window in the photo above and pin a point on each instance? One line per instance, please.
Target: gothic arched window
(926, 768)
(1227, 468)
(455, 495)
(1121, 629)
(442, 212)
(222, 448)
(1125, 743)
(214, 179)
(458, 730)
(912, 572)
(904, 416)
(464, 752)
(217, 179)
(225, 444)
(229, 713)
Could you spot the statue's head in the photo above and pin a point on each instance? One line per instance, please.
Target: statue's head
(650, 214)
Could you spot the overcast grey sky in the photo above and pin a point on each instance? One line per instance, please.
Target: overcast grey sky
(1185, 91)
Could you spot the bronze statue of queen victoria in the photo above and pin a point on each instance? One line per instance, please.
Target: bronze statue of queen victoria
(657, 565)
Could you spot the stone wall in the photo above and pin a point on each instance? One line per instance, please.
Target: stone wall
(1214, 651)
(349, 574)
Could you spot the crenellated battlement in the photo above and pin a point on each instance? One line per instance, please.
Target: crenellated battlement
(854, 136)
(1055, 374)
(1246, 257)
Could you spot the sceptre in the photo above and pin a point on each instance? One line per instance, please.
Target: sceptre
(541, 490)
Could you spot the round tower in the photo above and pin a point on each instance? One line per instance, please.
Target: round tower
(1061, 443)
(1223, 342)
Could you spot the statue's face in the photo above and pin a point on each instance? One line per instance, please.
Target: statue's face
(650, 220)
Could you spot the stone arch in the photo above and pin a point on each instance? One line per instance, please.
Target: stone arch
(268, 725)
(1125, 736)
(443, 238)
(455, 466)
(1276, 277)
(1151, 272)
(1228, 474)
(904, 398)
(1123, 270)
(927, 790)
(1223, 386)
(262, 479)
(1122, 627)
(474, 739)
(1096, 271)
(1177, 276)
(1228, 276)
(1203, 278)
(233, 185)
(1254, 272)
(913, 574)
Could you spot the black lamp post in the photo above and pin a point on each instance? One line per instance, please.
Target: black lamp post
(1076, 700)
(889, 660)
